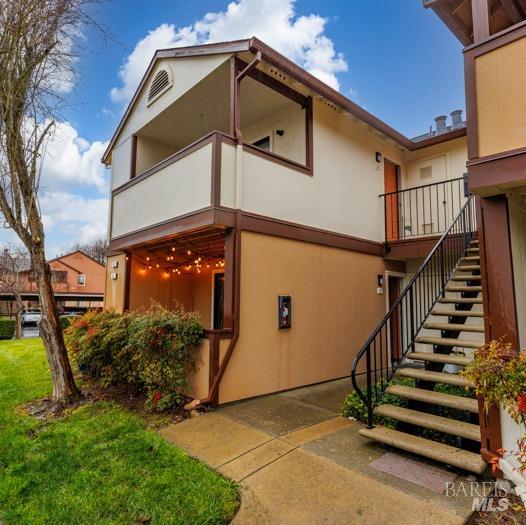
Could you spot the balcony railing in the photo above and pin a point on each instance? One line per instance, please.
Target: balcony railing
(423, 211)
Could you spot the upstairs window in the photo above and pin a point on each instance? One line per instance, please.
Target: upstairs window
(263, 143)
(81, 279)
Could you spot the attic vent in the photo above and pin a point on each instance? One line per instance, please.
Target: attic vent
(160, 83)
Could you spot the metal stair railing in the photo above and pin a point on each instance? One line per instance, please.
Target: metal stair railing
(394, 337)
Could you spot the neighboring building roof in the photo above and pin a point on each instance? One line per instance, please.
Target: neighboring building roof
(270, 56)
(434, 133)
(61, 257)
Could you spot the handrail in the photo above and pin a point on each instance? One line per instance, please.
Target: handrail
(421, 186)
(423, 210)
(391, 340)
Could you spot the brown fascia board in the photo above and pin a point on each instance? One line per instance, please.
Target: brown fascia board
(287, 66)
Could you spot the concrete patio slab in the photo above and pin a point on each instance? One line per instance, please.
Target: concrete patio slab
(241, 467)
(317, 431)
(329, 395)
(298, 462)
(276, 415)
(214, 439)
(303, 488)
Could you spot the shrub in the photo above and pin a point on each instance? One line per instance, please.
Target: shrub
(65, 320)
(7, 328)
(151, 350)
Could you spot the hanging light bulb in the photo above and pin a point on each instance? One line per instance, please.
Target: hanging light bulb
(157, 265)
(173, 248)
(147, 258)
(189, 252)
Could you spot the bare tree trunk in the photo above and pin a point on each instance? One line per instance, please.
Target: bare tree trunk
(65, 390)
(18, 326)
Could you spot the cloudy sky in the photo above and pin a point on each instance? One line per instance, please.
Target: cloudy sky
(393, 57)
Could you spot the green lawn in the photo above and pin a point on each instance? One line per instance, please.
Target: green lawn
(97, 465)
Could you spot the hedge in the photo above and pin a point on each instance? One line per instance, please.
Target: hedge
(7, 328)
(152, 350)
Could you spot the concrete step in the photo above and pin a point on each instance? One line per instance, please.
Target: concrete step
(431, 357)
(469, 268)
(424, 447)
(473, 249)
(434, 377)
(457, 313)
(456, 327)
(422, 419)
(434, 398)
(460, 300)
(448, 341)
(470, 258)
(475, 241)
(465, 278)
(459, 289)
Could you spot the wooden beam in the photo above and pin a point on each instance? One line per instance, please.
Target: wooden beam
(480, 14)
(454, 23)
(512, 11)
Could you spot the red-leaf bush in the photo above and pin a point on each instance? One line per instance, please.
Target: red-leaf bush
(151, 350)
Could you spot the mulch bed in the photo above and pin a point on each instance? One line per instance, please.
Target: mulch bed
(515, 515)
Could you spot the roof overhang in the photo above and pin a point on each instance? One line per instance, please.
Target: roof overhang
(458, 15)
(272, 57)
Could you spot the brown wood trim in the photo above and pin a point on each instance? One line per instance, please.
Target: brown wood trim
(440, 138)
(489, 175)
(127, 282)
(480, 15)
(233, 96)
(155, 233)
(506, 36)
(187, 150)
(415, 247)
(226, 217)
(229, 300)
(277, 159)
(235, 290)
(274, 84)
(470, 54)
(471, 105)
(297, 232)
(309, 140)
(215, 176)
(133, 157)
(497, 156)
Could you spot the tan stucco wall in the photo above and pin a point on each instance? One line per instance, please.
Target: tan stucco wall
(334, 308)
(114, 292)
(501, 105)
(192, 291)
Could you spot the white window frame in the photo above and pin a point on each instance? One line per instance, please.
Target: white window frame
(78, 279)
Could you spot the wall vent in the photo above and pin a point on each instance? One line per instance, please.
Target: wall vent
(160, 83)
(426, 173)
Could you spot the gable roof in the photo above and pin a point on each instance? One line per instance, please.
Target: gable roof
(271, 56)
(61, 257)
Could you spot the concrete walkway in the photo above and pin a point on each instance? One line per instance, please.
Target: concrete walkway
(298, 462)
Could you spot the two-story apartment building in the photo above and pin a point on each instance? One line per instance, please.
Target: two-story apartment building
(290, 218)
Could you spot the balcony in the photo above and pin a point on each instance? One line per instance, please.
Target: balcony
(422, 211)
(185, 182)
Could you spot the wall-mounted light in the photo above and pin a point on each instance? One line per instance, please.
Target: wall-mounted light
(378, 156)
(280, 132)
(114, 275)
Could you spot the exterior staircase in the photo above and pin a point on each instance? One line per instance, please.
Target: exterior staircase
(428, 336)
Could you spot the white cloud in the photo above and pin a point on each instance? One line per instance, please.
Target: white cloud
(300, 38)
(72, 161)
(71, 218)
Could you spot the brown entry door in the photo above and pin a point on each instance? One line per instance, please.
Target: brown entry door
(391, 184)
(393, 287)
